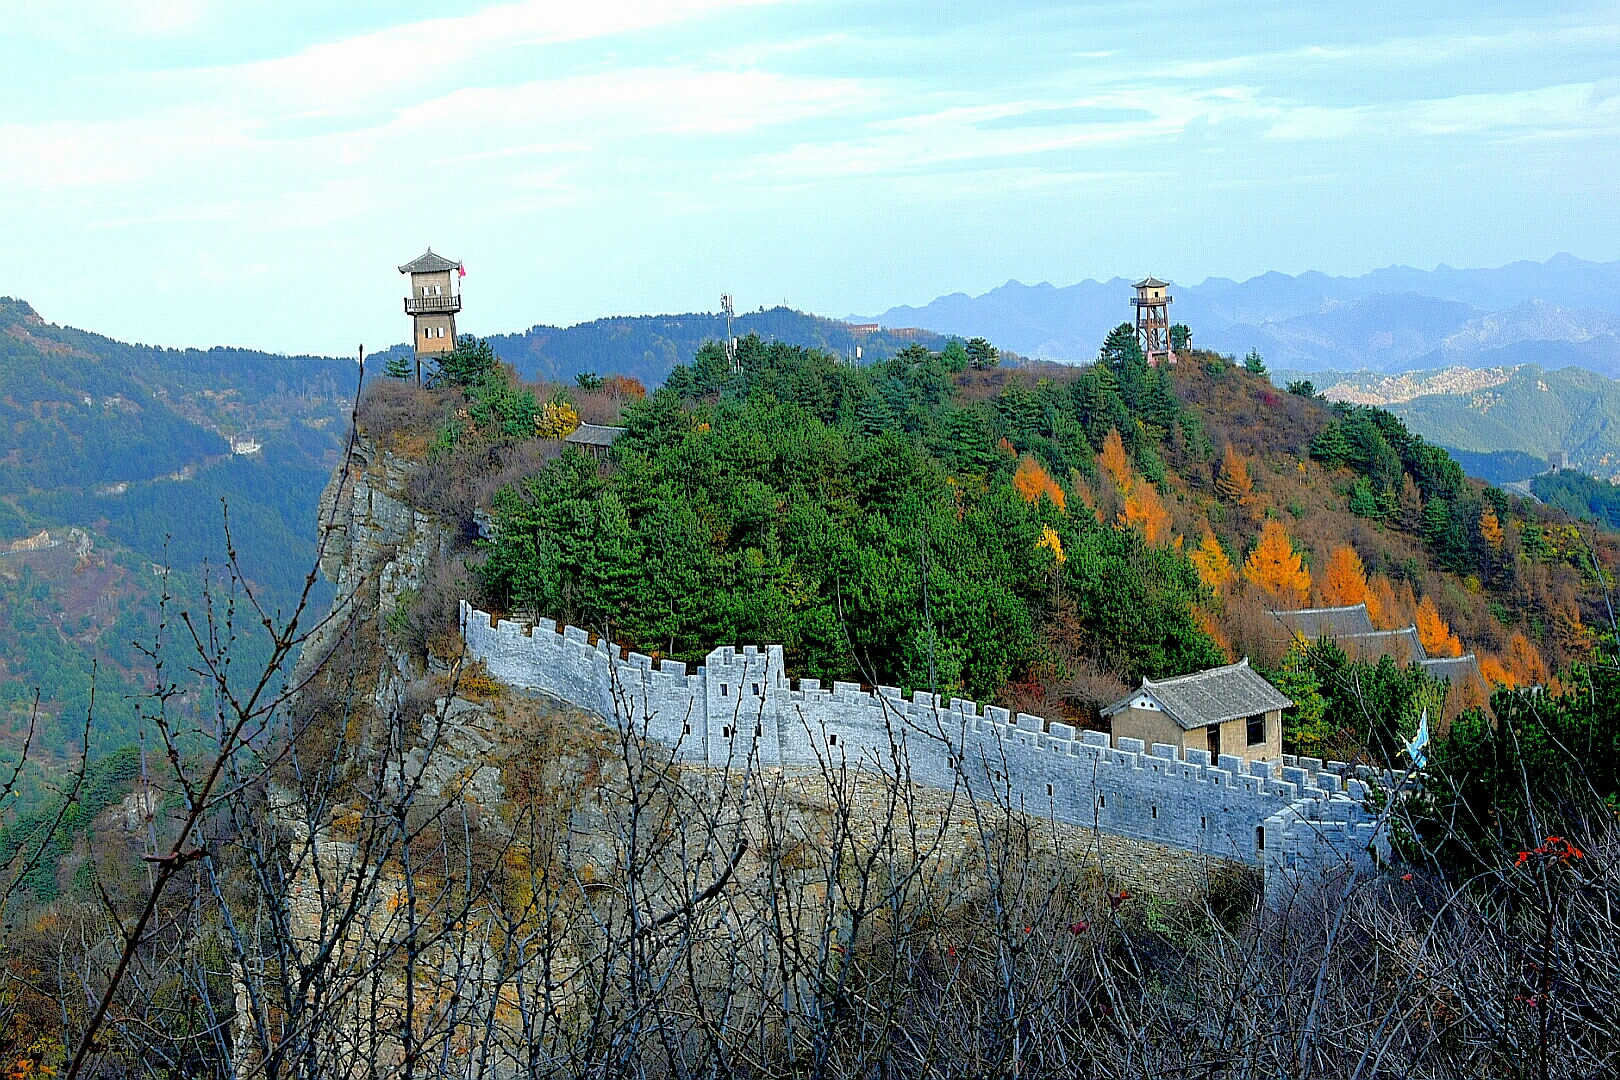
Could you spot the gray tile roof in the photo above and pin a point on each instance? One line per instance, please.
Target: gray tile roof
(1452, 668)
(1210, 697)
(1317, 622)
(428, 264)
(1150, 282)
(1403, 645)
(594, 435)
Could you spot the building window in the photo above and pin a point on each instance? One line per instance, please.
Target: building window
(756, 689)
(1153, 812)
(1259, 838)
(1048, 791)
(686, 729)
(832, 740)
(1102, 801)
(723, 690)
(725, 732)
(759, 730)
(1214, 742)
(1257, 729)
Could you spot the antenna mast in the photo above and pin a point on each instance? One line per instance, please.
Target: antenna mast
(729, 306)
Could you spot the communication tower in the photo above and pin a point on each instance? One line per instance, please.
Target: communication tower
(1152, 303)
(729, 306)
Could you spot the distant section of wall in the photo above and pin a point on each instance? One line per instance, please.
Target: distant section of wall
(1289, 817)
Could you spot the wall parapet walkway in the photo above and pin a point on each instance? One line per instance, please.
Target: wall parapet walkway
(1289, 817)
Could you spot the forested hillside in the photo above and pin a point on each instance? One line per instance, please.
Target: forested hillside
(648, 347)
(1043, 536)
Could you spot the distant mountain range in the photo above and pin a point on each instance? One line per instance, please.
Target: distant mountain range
(1557, 313)
(1502, 423)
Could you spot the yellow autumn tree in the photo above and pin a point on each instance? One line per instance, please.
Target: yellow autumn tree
(1114, 462)
(1145, 512)
(1434, 631)
(555, 420)
(1490, 527)
(1234, 484)
(1277, 568)
(1524, 661)
(1213, 565)
(1031, 481)
(1052, 542)
(1344, 579)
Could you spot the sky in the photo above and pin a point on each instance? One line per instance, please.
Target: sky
(198, 172)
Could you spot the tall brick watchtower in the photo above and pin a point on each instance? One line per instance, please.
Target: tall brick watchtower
(432, 304)
(1152, 303)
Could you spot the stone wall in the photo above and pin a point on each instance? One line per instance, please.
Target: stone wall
(1290, 817)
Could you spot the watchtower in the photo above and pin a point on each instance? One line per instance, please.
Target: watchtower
(1152, 303)
(432, 304)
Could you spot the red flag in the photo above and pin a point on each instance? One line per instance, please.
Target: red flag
(461, 271)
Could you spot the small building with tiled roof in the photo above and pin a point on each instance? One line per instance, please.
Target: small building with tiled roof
(1404, 646)
(594, 438)
(1312, 624)
(429, 263)
(1229, 710)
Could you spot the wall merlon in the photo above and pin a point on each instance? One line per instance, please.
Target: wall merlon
(714, 715)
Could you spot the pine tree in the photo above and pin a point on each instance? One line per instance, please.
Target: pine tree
(398, 367)
(1362, 501)
(1253, 364)
(982, 354)
(1436, 521)
(1344, 579)
(1277, 568)
(1332, 446)
(1121, 349)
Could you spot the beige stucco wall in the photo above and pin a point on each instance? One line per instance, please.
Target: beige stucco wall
(422, 283)
(1152, 726)
(427, 345)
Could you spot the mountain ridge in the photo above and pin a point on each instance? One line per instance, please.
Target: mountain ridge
(1564, 310)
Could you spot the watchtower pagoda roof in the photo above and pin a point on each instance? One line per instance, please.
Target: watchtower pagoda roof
(430, 263)
(1209, 697)
(1151, 282)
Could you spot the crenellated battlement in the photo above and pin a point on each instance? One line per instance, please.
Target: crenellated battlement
(1287, 816)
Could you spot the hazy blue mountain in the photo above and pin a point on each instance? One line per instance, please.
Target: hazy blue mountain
(1559, 312)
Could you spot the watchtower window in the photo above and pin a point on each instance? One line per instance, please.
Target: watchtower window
(832, 740)
(1153, 812)
(1048, 791)
(756, 689)
(1214, 742)
(725, 732)
(1102, 800)
(1257, 729)
(723, 692)
(1259, 838)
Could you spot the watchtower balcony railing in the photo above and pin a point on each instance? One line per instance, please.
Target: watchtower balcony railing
(432, 305)
(1151, 301)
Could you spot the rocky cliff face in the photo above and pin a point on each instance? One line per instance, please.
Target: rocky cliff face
(377, 549)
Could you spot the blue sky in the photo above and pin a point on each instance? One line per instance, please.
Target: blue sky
(231, 171)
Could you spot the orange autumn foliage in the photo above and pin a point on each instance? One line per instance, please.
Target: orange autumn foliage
(1380, 597)
(1277, 568)
(1114, 462)
(1490, 527)
(1145, 511)
(1210, 559)
(1234, 484)
(1031, 481)
(1344, 580)
(1435, 632)
(1521, 665)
